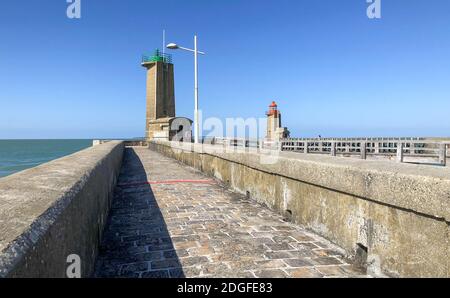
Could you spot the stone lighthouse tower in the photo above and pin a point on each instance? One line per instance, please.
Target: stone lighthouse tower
(160, 95)
(275, 131)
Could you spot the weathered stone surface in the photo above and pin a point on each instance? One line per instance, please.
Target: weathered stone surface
(305, 273)
(55, 210)
(399, 212)
(220, 234)
(299, 262)
(271, 273)
(420, 188)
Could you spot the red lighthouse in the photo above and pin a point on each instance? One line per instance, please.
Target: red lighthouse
(274, 129)
(273, 110)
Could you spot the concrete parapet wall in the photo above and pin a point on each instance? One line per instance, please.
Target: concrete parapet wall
(399, 212)
(55, 210)
(127, 143)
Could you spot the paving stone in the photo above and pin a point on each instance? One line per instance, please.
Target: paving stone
(191, 261)
(107, 270)
(176, 273)
(263, 240)
(304, 246)
(214, 268)
(157, 274)
(265, 234)
(283, 239)
(278, 255)
(326, 253)
(163, 264)
(301, 237)
(133, 268)
(284, 228)
(298, 262)
(353, 271)
(173, 254)
(190, 230)
(279, 246)
(186, 238)
(186, 244)
(304, 253)
(130, 275)
(136, 249)
(270, 273)
(264, 228)
(201, 251)
(303, 273)
(326, 261)
(149, 256)
(234, 274)
(267, 264)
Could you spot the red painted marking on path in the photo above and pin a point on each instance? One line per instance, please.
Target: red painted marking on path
(167, 182)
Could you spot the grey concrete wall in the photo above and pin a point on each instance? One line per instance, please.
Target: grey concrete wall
(57, 209)
(399, 212)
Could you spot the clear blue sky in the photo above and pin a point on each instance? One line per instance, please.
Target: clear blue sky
(332, 70)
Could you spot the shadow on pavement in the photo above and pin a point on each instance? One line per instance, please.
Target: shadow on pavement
(136, 241)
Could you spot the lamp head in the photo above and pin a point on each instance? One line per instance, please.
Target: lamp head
(172, 46)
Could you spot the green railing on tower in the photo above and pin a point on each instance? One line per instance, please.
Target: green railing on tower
(157, 56)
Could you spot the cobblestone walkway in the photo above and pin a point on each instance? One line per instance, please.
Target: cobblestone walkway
(184, 224)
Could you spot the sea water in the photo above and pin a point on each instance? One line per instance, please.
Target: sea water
(18, 155)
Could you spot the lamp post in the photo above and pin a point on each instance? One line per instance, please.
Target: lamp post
(174, 46)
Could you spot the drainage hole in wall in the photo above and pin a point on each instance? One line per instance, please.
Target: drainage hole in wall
(287, 216)
(361, 255)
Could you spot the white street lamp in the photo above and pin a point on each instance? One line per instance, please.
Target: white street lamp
(174, 46)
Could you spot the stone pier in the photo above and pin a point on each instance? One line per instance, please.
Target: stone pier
(183, 210)
(170, 220)
(394, 218)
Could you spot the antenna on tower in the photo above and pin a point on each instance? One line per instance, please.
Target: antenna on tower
(164, 42)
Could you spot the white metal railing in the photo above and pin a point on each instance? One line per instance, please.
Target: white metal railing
(418, 149)
(234, 142)
(401, 148)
